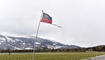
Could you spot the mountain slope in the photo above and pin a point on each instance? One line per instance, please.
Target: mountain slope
(20, 43)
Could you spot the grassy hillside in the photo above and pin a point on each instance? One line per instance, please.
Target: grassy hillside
(50, 56)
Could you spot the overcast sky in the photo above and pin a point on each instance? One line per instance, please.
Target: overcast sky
(83, 21)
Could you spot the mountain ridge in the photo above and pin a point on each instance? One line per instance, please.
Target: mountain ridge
(21, 43)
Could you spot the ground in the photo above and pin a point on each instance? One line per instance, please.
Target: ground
(50, 56)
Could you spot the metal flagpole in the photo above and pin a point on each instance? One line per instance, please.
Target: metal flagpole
(36, 39)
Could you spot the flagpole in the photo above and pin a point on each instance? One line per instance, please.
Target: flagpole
(36, 39)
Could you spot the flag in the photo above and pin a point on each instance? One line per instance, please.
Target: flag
(46, 18)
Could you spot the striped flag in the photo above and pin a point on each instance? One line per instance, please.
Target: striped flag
(46, 18)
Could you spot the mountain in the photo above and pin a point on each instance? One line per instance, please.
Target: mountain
(21, 43)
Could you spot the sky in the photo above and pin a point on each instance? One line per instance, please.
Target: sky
(82, 21)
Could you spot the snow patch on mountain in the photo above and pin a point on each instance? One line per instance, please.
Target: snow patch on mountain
(20, 43)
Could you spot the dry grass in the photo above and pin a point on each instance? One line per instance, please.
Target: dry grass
(50, 56)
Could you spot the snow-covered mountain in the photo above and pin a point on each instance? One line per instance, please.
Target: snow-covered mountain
(20, 43)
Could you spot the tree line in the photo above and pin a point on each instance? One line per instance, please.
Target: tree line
(100, 48)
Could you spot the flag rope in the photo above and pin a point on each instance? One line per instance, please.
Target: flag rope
(57, 25)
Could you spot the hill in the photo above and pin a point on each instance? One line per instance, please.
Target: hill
(26, 43)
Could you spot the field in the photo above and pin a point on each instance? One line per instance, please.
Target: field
(50, 56)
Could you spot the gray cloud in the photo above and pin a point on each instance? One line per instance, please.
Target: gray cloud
(83, 21)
